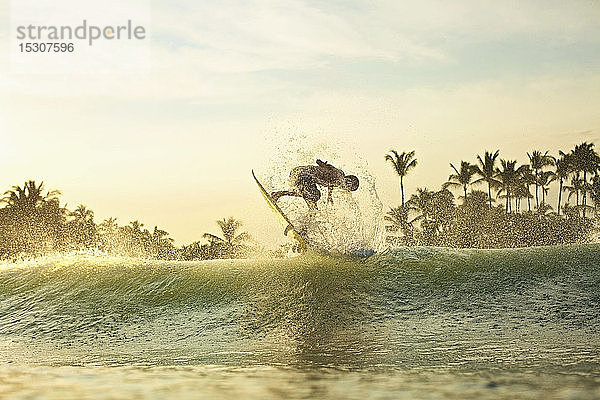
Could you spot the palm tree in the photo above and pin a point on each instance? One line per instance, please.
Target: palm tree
(399, 220)
(82, 214)
(574, 189)
(109, 226)
(83, 229)
(508, 176)
(16, 198)
(161, 243)
(109, 231)
(545, 179)
(527, 179)
(420, 202)
(538, 161)
(487, 170)
(461, 177)
(595, 191)
(585, 159)
(135, 240)
(561, 171)
(477, 202)
(34, 218)
(134, 229)
(231, 241)
(158, 235)
(402, 164)
(521, 187)
(28, 197)
(435, 211)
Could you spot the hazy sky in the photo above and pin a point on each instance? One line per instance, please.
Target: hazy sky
(174, 146)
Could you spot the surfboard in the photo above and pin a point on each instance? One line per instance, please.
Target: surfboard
(289, 229)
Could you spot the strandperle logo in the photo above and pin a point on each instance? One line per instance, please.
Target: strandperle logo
(80, 36)
(85, 31)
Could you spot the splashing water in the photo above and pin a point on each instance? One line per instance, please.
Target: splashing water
(353, 224)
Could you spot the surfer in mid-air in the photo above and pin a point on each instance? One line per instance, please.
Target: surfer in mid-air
(304, 180)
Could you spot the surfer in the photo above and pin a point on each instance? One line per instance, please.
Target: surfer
(304, 180)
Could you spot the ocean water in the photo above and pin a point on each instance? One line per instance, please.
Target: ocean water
(429, 323)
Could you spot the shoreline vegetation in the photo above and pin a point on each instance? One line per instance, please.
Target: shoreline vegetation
(513, 211)
(514, 208)
(33, 224)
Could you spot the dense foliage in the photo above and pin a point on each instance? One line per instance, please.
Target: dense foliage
(33, 222)
(523, 216)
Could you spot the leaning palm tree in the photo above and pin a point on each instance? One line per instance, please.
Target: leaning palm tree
(461, 177)
(487, 170)
(538, 161)
(231, 241)
(402, 164)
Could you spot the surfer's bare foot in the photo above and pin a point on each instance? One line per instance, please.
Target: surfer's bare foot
(276, 195)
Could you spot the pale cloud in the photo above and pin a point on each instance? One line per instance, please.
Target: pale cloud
(235, 52)
(261, 35)
(489, 19)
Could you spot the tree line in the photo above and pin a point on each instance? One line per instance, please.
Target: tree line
(513, 210)
(33, 222)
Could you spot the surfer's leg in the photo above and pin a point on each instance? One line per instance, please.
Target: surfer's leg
(312, 205)
(281, 193)
(309, 191)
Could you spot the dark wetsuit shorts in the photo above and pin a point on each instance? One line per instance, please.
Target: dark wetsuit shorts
(307, 186)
